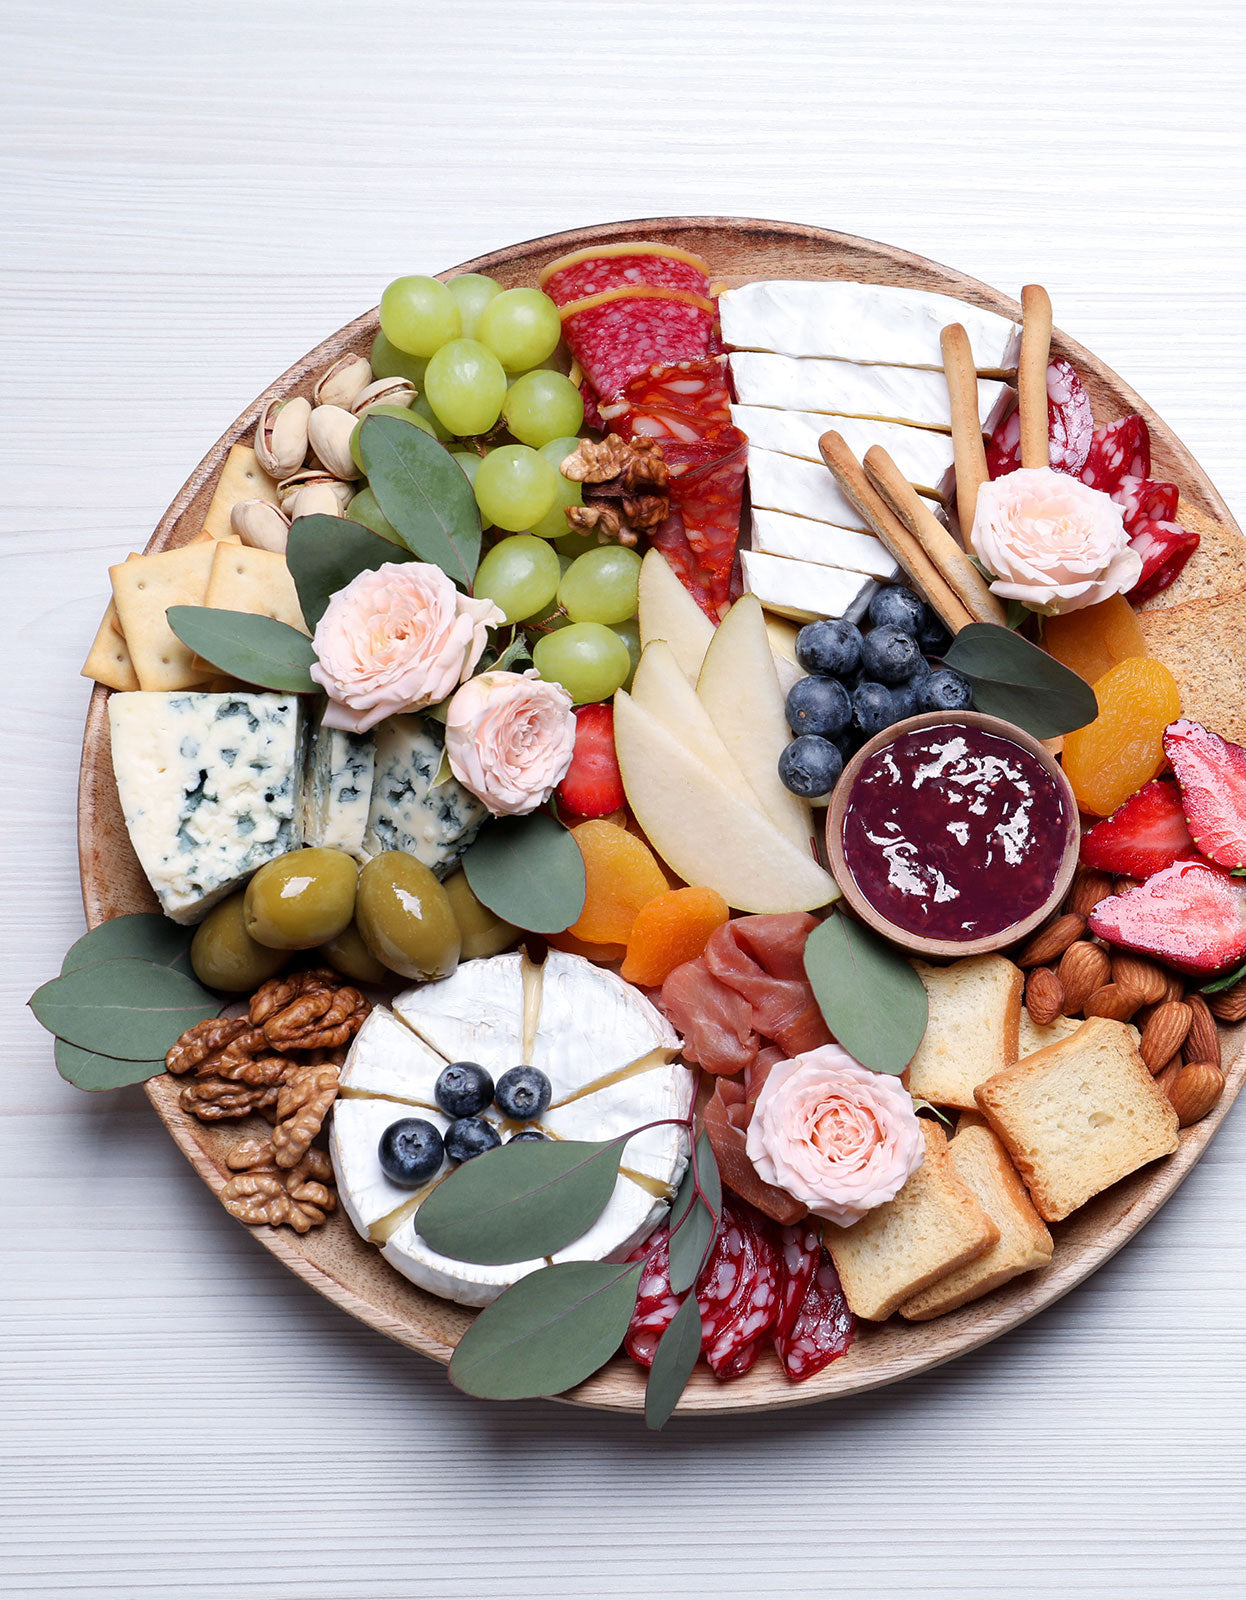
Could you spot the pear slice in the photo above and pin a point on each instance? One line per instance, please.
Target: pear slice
(667, 611)
(739, 687)
(704, 832)
(661, 688)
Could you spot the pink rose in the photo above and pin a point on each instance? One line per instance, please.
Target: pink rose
(399, 638)
(1052, 542)
(509, 737)
(837, 1137)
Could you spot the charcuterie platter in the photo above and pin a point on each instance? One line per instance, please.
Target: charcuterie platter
(663, 819)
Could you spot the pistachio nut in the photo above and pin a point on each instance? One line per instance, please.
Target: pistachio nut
(281, 436)
(384, 392)
(313, 477)
(329, 434)
(314, 499)
(339, 385)
(260, 524)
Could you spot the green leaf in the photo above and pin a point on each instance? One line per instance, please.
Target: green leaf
(424, 494)
(516, 656)
(125, 1008)
(145, 936)
(1226, 982)
(872, 1000)
(1014, 679)
(924, 1105)
(548, 1332)
(326, 553)
(528, 871)
(521, 1200)
(691, 1239)
(1017, 615)
(257, 649)
(678, 1350)
(86, 1070)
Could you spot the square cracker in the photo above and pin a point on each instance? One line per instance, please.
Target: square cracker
(244, 579)
(242, 478)
(108, 660)
(971, 1030)
(143, 589)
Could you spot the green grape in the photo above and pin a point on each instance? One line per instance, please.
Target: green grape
(519, 574)
(629, 632)
(419, 315)
(470, 463)
(589, 660)
(404, 413)
(521, 326)
(421, 407)
(515, 486)
(573, 544)
(542, 406)
(363, 508)
(553, 525)
(473, 291)
(465, 386)
(557, 450)
(601, 585)
(390, 362)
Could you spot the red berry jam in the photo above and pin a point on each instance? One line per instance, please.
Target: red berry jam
(953, 833)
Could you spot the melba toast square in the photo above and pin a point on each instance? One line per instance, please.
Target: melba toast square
(972, 1029)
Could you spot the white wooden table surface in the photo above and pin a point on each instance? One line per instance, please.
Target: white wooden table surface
(192, 196)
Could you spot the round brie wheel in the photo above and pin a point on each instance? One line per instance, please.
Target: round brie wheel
(610, 1057)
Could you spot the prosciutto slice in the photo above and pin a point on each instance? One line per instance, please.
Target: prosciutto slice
(726, 1118)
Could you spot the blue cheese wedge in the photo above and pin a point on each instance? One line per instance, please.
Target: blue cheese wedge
(209, 787)
(923, 456)
(775, 533)
(781, 482)
(411, 811)
(802, 590)
(337, 790)
(849, 389)
(867, 322)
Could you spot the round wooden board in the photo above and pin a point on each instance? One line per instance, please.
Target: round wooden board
(333, 1260)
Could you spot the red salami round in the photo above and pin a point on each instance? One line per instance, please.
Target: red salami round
(738, 1292)
(656, 1303)
(654, 266)
(1165, 548)
(620, 333)
(824, 1327)
(1118, 450)
(799, 1248)
(1070, 427)
(1146, 500)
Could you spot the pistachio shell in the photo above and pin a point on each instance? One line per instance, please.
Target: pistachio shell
(309, 477)
(329, 434)
(260, 524)
(341, 383)
(281, 436)
(384, 392)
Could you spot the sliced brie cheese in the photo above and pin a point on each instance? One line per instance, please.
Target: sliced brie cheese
(369, 1198)
(476, 1014)
(592, 1027)
(775, 533)
(867, 322)
(852, 389)
(388, 1059)
(631, 1215)
(800, 589)
(468, 1282)
(663, 1089)
(780, 482)
(923, 456)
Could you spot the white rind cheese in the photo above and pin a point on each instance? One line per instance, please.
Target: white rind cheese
(923, 456)
(775, 533)
(801, 590)
(388, 1060)
(592, 1028)
(409, 810)
(850, 389)
(780, 482)
(337, 790)
(209, 787)
(476, 1014)
(865, 322)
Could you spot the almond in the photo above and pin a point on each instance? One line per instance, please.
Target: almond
(1202, 1043)
(1124, 885)
(1165, 1033)
(1176, 987)
(1084, 967)
(1089, 887)
(1169, 1076)
(1044, 996)
(1109, 1001)
(1194, 1091)
(1050, 943)
(1141, 977)
(1230, 1004)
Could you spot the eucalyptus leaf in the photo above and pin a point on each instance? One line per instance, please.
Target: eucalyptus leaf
(691, 1238)
(528, 871)
(130, 1009)
(548, 1332)
(324, 554)
(257, 649)
(1014, 679)
(424, 494)
(520, 1200)
(86, 1070)
(145, 936)
(673, 1361)
(516, 656)
(872, 1000)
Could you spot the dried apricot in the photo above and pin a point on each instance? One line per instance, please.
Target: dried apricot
(604, 954)
(621, 875)
(673, 928)
(1093, 641)
(1113, 756)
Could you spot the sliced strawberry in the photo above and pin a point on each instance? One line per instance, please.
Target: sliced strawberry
(1165, 548)
(1118, 450)
(1192, 915)
(1212, 775)
(593, 786)
(1145, 835)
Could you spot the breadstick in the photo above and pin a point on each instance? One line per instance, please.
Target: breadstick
(970, 452)
(951, 562)
(860, 493)
(1032, 374)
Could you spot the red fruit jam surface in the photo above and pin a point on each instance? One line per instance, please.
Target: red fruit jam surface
(954, 833)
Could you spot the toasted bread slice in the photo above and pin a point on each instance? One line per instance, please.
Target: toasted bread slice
(1031, 1037)
(932, 1227)
(1023, 1242)
(972, 1029)
(1079, 1116)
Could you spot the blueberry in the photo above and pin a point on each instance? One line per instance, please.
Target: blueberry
(463, 1089)
(818, 705)
(905, 698)
(833, 648)
(934, 637)
(890, 656)
(810, 766)
(470, 1136)
(410, 1152)
(528, 1133)
(872, 708)
(523, 1093)
(945, 690)
(898, 607)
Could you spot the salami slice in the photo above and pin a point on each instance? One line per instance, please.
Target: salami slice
(1118, 450)
(823, 1329)
(1146, 500)
(1165, 548)
(619, 333)
(799, 1248)
(656, 1303)
(1070, 427)
(624, 266)
(592, 415)
(738, 1292)
(672, 540)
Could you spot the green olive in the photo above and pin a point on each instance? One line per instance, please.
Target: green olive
(300, 900)
(225, 956)
(405, 918)
(483, 934)
(349, 955)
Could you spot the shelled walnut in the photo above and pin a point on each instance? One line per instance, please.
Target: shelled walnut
(625, 488)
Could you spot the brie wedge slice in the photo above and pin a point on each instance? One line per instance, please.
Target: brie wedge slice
(852, 389)
(923, 456)
(775, 533)
(799, 589)
(780, 482)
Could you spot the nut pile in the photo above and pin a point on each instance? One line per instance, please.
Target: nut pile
(1069, 974)
(625, 487)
